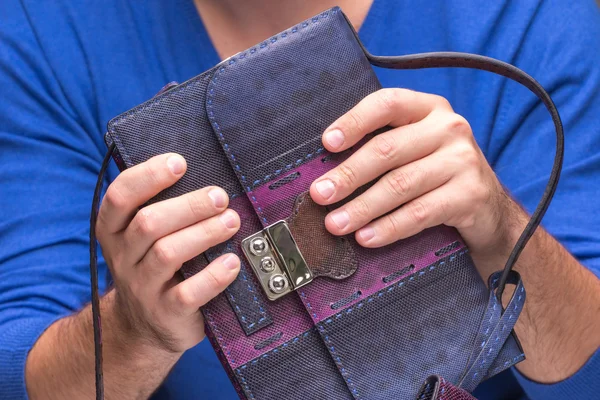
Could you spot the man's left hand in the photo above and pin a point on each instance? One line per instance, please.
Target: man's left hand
(428, 162)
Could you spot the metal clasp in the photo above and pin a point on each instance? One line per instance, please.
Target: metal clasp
(276, 260)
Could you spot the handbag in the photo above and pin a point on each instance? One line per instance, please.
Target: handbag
(312, 315)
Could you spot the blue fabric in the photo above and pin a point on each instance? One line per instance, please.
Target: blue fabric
(67, 67)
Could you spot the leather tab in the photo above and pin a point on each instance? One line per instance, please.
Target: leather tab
(326, 254)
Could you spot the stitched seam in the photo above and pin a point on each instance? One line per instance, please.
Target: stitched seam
(307, 304)
(248, 187)
(338, 362)
(378, 295)
(156, 100)
(277, 349)
(261, 308)
(347, 249)
(370, 299)
(218, 336)
(492, 348)
(307, 157)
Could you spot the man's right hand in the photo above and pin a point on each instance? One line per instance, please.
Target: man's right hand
(152, 316)
(145, 247)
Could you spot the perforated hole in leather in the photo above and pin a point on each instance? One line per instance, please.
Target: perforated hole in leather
(447, 249)
(398, 274)
(269, 341)
(340, 303)
(285, 180)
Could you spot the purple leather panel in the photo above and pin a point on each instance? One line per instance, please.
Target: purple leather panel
(278, 204)
(289, 319)
(288, 314)
(373, 264)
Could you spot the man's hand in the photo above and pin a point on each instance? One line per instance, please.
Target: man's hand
(152, 316)
(429, 163)
(431, 166)
(144, 250)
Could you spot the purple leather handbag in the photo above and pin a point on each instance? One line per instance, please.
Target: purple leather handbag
(319, 315)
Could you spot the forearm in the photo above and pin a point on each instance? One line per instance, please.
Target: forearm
(559, 326)
(61, 363)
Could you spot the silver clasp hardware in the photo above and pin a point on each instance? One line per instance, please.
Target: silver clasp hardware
(276, 260)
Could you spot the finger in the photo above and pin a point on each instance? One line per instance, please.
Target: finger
(135, 186)
(397, 187)
(431, 209)
(393, 107)
(160, 219)
(382, 153)
(167, 254)
(199, 289)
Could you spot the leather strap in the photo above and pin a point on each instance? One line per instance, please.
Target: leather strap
(497, 324)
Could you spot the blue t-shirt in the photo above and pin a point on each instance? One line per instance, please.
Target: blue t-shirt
(67, 67)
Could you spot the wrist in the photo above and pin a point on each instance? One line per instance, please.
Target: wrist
(491, 250)
(126, 337)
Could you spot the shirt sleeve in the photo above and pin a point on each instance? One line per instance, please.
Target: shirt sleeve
(48, 165)
(560, 49)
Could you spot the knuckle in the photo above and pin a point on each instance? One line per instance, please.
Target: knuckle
(184, 296)
(442, 102)
(418, 212)
(356, 121)
(346, 175)
(481, 193)
(145, 222)
(114, 197)
(153, 172)
(361, 209)
(384, 147)
(445, 208)
(101, 227)
(213, 280)
(210, 233)
(468, 221)
(399, 183)
(198, 205)
(468, 155)
(393, 225)
(164, 253)
(458, 125)
(389, 98)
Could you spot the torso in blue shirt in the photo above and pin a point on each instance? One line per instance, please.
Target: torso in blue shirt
(67, 67)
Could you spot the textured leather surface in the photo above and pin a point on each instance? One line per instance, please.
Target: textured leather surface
(176, 121)
(438, 388)
(271, 133)
(246, 124)
(325, 254)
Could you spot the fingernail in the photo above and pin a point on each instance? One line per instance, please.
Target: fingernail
(228, 219)
(176, 164)
(335, 138)
(325, 188)
(218, 197)
(341, 219)
(230, 261)
(367, 233)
